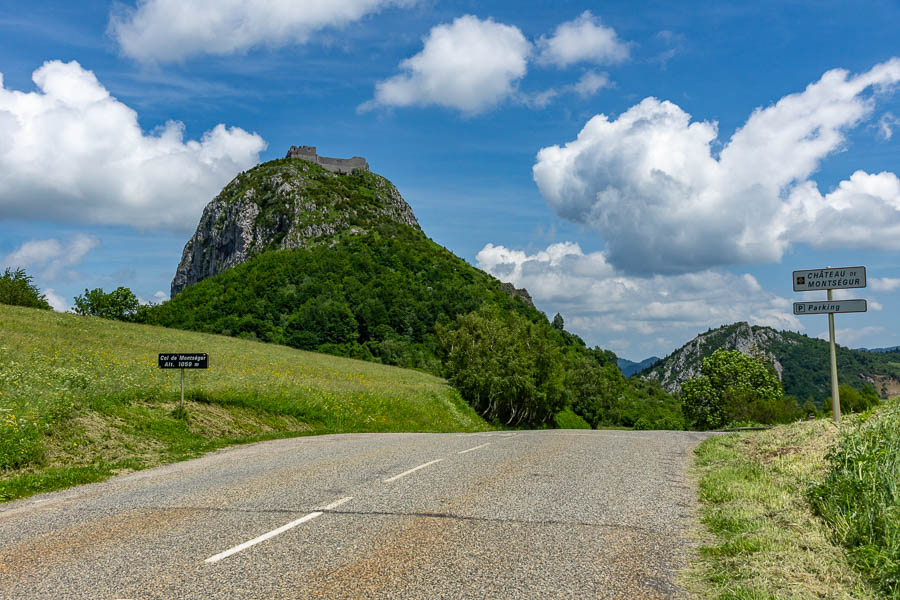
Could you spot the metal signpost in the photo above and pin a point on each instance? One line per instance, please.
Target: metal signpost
(196, 360)
(830, 279)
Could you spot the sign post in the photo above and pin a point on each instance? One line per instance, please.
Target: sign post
(830, 279)
(196, 360)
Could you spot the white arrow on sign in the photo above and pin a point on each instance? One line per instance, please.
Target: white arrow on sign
(829, 306)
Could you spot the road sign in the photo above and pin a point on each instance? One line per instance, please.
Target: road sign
(829, 306)
(184, 361)
(829, 279)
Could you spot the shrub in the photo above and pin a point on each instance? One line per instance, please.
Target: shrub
(120, 304)
(16, 289)
(566, 419)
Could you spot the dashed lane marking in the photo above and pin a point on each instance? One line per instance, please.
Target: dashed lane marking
(274, 532)
(475, 448)
(413, 470)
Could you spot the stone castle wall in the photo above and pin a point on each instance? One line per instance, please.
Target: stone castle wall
(341, 166)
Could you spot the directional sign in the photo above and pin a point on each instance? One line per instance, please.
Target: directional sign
(825, 279)
(829, 306)
(173, 360)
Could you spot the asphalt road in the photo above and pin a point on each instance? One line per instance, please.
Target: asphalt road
(532, 514)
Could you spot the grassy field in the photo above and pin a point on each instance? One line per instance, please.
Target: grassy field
(767, 539)
(82, 399)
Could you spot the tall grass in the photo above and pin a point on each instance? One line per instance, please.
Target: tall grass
(860, 496)
(764, 540)
(82, 397)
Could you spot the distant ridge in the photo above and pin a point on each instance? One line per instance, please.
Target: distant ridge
(629, 367)
(801, 362)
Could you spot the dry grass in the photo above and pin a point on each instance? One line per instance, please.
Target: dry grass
(766, 542)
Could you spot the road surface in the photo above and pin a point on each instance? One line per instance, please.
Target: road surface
(531, 514)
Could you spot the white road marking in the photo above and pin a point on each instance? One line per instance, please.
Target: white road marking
(413, 470)
(475, 448)
(337, 503)
(275, 532)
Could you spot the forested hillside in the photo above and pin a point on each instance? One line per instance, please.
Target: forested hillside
(802, 363)
(376, 296)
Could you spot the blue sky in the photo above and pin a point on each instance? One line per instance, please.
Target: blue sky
(649, 170)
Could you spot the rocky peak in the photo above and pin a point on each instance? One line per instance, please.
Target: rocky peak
(686, 362)
(285, 204)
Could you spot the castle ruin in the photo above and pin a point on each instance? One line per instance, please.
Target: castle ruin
(341, 166)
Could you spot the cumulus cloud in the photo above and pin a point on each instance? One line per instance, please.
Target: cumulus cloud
(470, 65)
(884, 284)
(583, 39)
(863, 212)
(57, 302)
(171, 30)
(650, 183)
(71, 152)
(603, 302)
(51, 259)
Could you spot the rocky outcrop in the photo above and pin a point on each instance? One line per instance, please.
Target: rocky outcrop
(286, 204)
(517, 292)
(686, 362)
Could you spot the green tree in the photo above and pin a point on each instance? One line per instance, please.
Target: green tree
(730, 382)
(120, 304)
(17, 289)
(853, 400)
(558, 322)
(507, 367)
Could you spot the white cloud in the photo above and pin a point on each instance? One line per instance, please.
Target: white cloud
(71, 152)
(171, 30)
(49, 259)
(590, 83)
(886, 125)
(863, 212)
(852, 336)
(160, 296)
(582, 39)
(603, 303)
(56, 301)
(649, 182)
(884, 284)
(470, 65)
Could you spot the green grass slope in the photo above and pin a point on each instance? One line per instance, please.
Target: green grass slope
(81, 398)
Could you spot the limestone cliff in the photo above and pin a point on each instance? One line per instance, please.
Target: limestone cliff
(287, 203)
(685, 363)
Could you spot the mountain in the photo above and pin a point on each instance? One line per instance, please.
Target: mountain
(801, 363)
(629, 367)
(323, 254)
(288, 204)
(880, 350)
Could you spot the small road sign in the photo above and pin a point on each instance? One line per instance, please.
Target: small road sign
(829, 306)
(184, 361)
(829, 279)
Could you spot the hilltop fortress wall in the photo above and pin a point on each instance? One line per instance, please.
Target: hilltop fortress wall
(341, 166)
